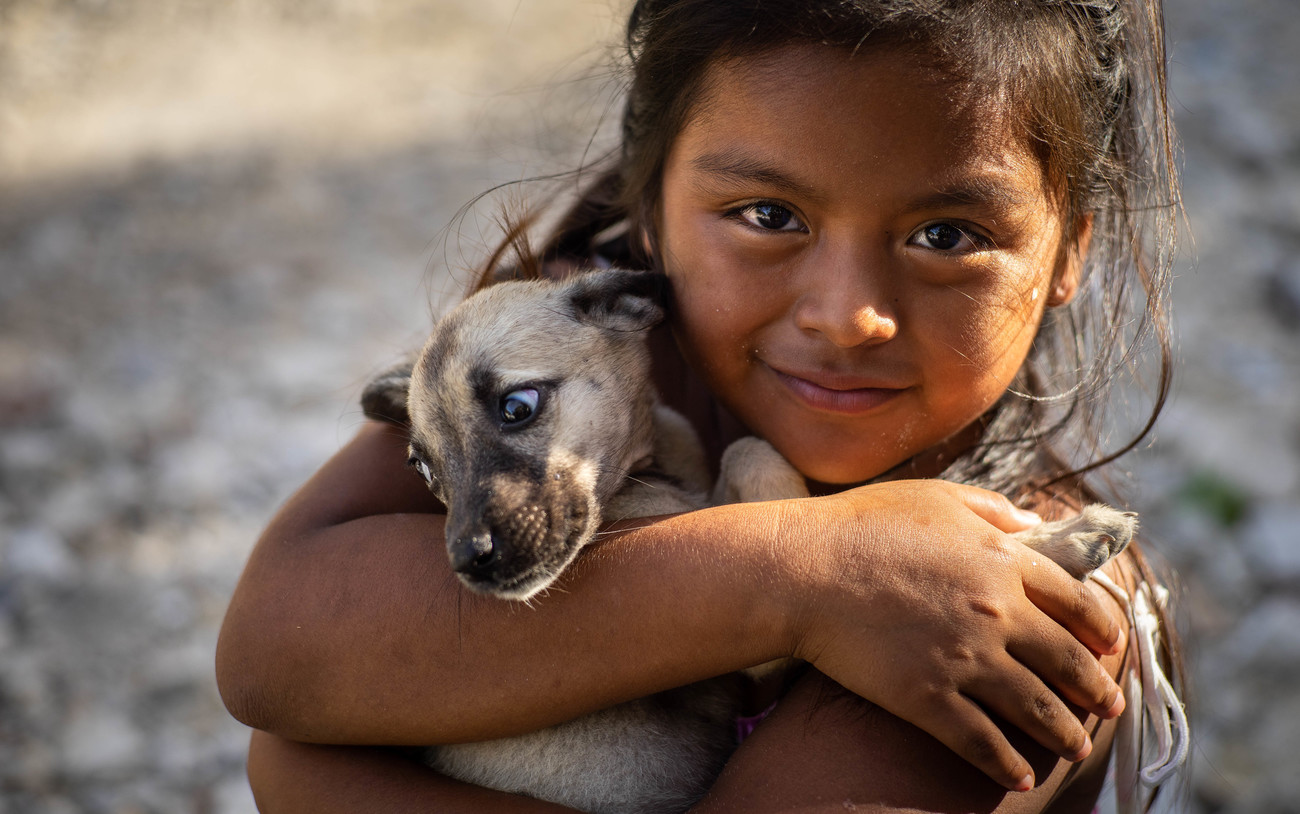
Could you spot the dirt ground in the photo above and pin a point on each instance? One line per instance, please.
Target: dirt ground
(216, 220)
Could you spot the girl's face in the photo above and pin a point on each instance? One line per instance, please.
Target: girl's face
(860, 254)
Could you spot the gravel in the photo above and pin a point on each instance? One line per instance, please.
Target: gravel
(216, 221)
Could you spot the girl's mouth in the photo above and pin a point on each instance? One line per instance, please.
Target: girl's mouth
(835, 393)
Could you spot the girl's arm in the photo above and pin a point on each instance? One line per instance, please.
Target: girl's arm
(822, 749)
(826, 750)
(347, 626)
(288, 777)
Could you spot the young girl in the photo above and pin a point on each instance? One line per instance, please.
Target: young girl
(904, 241)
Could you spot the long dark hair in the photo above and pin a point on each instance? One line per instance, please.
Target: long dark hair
(1085, 81)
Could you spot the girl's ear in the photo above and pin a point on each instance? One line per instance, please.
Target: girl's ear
(647, 245)
(647, 231)
(1069, 270)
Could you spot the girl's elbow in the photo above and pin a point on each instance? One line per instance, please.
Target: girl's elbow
(248, 680)
(248, 703)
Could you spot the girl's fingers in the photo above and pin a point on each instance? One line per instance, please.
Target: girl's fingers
(1070, 603)
(1061, 662)
(1021, 698)
(995, 509)
(961, 725)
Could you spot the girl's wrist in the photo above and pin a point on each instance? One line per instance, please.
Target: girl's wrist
(783, 544)
(747, 558)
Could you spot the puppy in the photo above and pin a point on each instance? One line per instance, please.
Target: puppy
(532, 418)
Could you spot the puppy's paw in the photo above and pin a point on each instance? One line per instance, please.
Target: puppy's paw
(752, 471)
(1084, 543)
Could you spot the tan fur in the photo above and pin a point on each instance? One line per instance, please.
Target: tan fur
(600, 446)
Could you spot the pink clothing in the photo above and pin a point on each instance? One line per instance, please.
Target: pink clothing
(746, 724)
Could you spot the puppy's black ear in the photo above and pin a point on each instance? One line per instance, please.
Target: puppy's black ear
(384, 399)
(619, 300)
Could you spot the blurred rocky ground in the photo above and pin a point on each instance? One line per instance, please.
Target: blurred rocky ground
(216, 220)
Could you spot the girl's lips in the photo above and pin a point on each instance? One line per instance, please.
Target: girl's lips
(836, 394)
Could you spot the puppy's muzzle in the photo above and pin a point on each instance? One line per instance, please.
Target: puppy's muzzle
(510, 539)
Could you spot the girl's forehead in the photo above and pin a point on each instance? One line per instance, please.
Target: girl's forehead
(829, 112)
(808, 83)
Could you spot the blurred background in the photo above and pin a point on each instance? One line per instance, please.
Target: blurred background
(218, 219)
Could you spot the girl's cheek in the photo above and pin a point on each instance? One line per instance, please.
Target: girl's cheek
(991, 329)
(692, 246)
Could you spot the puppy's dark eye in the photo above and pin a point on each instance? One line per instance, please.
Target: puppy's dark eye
(518, 406)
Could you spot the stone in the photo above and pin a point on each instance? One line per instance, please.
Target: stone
(1271, 540)
(38, 553)
(101, 741)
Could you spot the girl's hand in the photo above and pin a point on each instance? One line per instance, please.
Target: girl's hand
(907, 596)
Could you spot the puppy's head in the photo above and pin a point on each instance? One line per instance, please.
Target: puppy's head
(528, 407)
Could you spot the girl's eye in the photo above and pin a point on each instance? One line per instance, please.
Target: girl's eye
(518, 406)
(947, 237)
(422, 468)
(771, 217)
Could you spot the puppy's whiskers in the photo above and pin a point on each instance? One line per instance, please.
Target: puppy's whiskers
(621, 530)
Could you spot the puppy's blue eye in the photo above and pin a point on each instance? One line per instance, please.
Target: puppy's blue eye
(518, 406)
(422, 468)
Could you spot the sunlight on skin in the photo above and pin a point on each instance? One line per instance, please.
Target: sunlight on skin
(812, 295)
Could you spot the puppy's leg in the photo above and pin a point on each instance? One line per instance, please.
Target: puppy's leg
(752, 470)
(1084, 543)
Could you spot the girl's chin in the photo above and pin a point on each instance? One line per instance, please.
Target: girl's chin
(824, 479)
(834, 468)
(818, 488)
(827, 481)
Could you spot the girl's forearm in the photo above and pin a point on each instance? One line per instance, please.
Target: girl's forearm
(358, 632)
(289, 777)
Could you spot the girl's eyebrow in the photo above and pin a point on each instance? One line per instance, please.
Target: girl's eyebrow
(735, 165)
(988, 192)
(970, 192)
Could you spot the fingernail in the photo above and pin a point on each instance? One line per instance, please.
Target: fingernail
(1117, 706)
(1027, 517)
(1084, 752)
(1026, 783)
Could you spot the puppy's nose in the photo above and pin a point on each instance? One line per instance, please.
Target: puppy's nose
(472, 554)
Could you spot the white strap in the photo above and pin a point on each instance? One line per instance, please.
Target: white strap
(1161, 710)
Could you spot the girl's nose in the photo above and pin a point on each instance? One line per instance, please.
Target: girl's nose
(846, 303)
